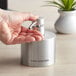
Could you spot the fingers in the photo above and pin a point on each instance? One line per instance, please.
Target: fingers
(35, 32)
(22, 39)
(37, 38)
(28, 31)
(26, 37)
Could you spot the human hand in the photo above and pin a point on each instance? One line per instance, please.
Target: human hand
(11, 31)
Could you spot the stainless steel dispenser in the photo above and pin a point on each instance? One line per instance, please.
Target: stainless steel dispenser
(39, 53)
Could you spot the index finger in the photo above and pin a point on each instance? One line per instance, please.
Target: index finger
(30, 17)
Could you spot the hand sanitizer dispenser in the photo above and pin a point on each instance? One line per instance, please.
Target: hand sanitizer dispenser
(39, 53)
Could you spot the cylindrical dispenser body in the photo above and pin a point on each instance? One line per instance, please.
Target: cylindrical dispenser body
(39, 53)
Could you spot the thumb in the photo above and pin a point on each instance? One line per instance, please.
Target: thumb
(19, 17)
(30, 17)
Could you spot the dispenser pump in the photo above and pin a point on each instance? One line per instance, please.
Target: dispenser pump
(40, 25)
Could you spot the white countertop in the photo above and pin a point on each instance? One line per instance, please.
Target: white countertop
(65, 62)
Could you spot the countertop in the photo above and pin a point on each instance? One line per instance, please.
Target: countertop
(65, 62)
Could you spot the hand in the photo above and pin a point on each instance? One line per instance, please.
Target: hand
(11, 31)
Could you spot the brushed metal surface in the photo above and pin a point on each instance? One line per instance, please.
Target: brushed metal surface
(39, 53)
